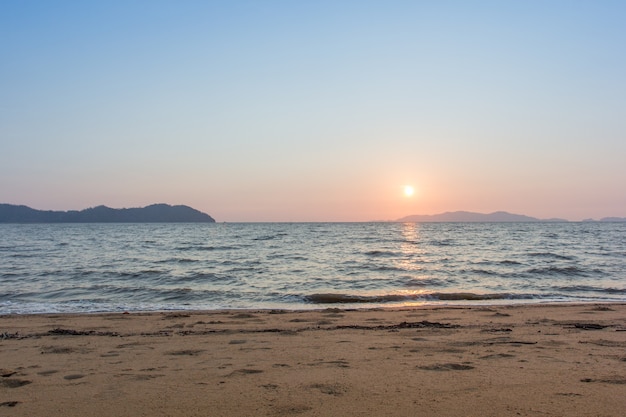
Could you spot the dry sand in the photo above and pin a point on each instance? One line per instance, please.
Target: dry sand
(537, 360)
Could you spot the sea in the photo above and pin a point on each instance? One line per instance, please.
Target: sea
(83, 268)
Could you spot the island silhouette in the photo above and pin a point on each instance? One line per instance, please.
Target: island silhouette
(495, 217)
(155, 213)
(468, 216)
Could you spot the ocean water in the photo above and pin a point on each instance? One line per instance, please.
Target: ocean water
(144, 267)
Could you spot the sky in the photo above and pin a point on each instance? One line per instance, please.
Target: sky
(315, 110)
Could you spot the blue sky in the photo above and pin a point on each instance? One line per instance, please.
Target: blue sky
(315, 111)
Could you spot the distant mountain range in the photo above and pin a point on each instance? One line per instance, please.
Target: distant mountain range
(608, 219)
(498, 216)
(156, 213)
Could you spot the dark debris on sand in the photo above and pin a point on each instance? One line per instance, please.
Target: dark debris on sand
(71, 332)
(404, 325)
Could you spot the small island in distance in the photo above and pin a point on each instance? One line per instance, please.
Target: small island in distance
(155, 213)
(496, 217)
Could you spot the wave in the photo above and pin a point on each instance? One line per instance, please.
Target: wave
(332, 298)
(381, 253)
(290, 257)
(509, 262)
(23, 255)
(205, 248)
(426, 282)
(588, 288)
(270, 237)
(382, 268)
(551, 255)
(443, 242)
(479, 271)
(555, 270)
(177, 260)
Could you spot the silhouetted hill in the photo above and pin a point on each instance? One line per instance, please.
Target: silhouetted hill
(613, 219)
(156, 213)
(466, 216)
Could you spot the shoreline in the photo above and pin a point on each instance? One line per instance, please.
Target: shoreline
(521, 359)
(311, 307)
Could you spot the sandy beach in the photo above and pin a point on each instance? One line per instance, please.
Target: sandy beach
(531, 360)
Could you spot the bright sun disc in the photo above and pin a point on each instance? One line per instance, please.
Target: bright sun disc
(408, 191)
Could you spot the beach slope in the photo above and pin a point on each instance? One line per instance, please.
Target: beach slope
(532, 360)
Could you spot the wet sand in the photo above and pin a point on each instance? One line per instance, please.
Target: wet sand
(534, 360)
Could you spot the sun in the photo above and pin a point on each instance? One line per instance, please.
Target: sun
(408, 191)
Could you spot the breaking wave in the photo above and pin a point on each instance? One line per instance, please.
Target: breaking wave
(331, 298)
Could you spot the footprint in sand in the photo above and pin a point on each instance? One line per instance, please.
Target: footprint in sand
(329, 389)
(281, 365)
(616, 380)
(338, 363)
(57, 350)
(245, 372)
(47, 373)
(244, 316)
(14, 382)
(5, 373)
(175, 316)
(293, 409)
(446, 367)
(497, 356)
(186, 352)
